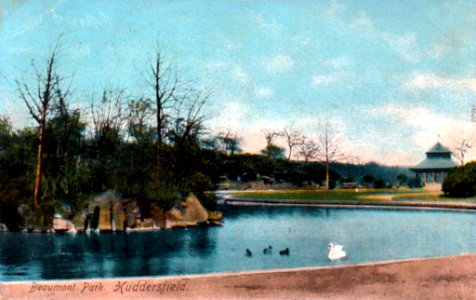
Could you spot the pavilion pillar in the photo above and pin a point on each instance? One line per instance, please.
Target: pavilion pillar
(424, 177)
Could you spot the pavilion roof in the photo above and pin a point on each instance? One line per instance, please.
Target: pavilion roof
(439, 148)
(435, 163)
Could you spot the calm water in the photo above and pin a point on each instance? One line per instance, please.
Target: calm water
(367, 235)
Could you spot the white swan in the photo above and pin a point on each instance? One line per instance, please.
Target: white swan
(336, 252)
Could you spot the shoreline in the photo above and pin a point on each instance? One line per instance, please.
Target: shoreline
(364, 204)
(440, 277)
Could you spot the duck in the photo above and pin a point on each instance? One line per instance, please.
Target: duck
(284, 252)
(268, 250)
(336, 252)
(248, 252)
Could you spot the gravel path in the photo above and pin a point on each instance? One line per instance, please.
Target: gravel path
(436, 278)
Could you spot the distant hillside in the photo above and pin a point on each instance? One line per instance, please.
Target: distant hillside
(386, 173)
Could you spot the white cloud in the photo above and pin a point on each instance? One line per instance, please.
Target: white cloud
(330, 79)
(18, 114)
(241, 75)
(428, 124)
(334, 9)
(271, 27)
(404, 45)
(303, 39)
(431, 81)
(280, 63)
(363, 22)
(436, 51)
(339, 63)
(264, 92)
(234, 71)
(230, 114)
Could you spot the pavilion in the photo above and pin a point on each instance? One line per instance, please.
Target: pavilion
(436, 165)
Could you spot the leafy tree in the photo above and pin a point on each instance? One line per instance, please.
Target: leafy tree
(402, 179)
(379, 183)
(229, 142)
(461, 181)
(273, 151)
(17, 166)
(66, 179)
(368, 178)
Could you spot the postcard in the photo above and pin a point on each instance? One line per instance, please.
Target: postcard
(237, 149)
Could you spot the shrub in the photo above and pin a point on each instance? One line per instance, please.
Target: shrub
(461, 181)
(379, 184)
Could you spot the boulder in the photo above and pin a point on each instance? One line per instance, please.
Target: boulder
(132, 213)
(148, 223)
(3, 227)
(105, 223)
(157, 214)
(131, 221)
(188, 212)
(79, 220)
(118, 216)
(112, 216)
(62, 224)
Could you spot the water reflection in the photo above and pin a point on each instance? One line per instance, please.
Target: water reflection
(368, 235)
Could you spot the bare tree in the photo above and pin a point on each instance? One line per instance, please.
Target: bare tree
(293, 138)
(308, 149)
(329, 147)
(352, 159)
(188, 120)
(462, 145)
(230, 141)
(164, 82)
(270, 135)
(107, 131)
(272, 150)
(39, 99)
(108, 116)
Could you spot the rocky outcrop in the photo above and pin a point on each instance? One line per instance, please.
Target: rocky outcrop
(61, 224)
(132, 212)
(187, 213)
(157, 214)
(3, 227)
(109, 212)
(112, 215)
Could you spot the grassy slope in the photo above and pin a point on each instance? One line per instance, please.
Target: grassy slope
(347, 195)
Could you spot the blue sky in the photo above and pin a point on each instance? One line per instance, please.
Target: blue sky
(391, 76)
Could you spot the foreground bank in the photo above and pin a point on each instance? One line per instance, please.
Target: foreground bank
(451, 277)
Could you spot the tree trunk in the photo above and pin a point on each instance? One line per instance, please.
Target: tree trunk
(39, 168)
(327, 176)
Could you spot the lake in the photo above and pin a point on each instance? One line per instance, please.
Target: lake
(368, 235)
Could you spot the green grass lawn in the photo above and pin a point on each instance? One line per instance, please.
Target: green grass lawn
(350, 195)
